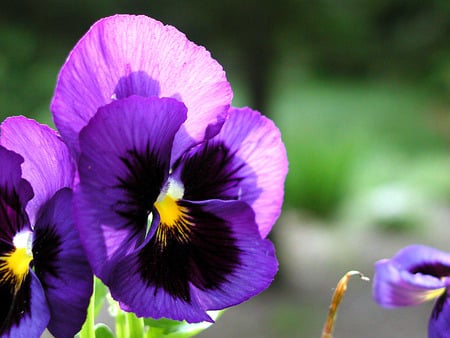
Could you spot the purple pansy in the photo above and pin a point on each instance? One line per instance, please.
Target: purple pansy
(45, 279)
(177, 191)
(414, 275)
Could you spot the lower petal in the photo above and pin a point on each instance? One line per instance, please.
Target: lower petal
(61, 265)
(439, 325)
(217, 260)
(23, 313)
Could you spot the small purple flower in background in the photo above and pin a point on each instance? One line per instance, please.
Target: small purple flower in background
(416, 274)
(45, 279)
(177, 191)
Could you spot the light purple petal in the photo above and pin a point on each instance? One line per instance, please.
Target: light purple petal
(124, 55)
(62, 266)
(420, 257)
(414, 275)
(246, 161)
(30, 314)
(124, 162)
(47, 166)
(439, 325)
(222, 262)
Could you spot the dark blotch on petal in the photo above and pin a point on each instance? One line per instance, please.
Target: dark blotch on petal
(12, 216)
(5, 248)
(46, 248)
(439, 305)
(211, 171)
(14, 305)
(205, 257)
(436, 269)
(142, 185)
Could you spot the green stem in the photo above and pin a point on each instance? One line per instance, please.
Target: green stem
(135, 325)
(121, 323)
(88, 330)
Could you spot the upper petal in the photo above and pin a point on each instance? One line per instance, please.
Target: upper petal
(124, 162)
(124, 55)
(211, 258)
(62, 266)
(47, 166)
(415, 274)
(246, 161)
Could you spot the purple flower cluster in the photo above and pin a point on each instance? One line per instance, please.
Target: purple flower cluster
(161, 188)
(45, 278)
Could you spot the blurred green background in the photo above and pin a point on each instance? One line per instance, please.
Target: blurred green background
(359, 89)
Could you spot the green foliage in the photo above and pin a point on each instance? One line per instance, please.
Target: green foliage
(331, 128)
(103, 331)
(319, 175)
(128, 325)
(101, 291)
(174, 329)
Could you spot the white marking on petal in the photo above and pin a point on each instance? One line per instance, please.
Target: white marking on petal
(24, 239)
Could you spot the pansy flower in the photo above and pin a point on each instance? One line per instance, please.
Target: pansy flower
(45, 279)
(416, 274)
(176, 192)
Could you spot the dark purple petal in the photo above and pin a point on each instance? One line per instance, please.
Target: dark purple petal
(246, 161)
(211, 259)
(124, 162)
(439, 325)
(23, 313)
(414, 275)
(61, 265)
(125, 55)
(15, 193)
(47, 166)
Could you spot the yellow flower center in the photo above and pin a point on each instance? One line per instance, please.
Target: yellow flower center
(169, 211)
(432, 294)
(14, 265)
(173, 223)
